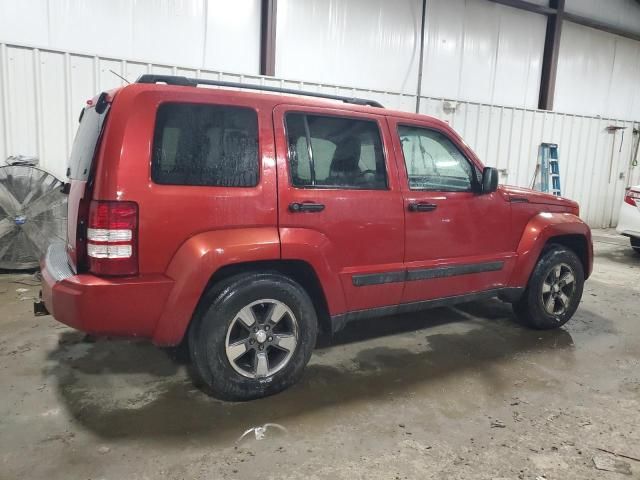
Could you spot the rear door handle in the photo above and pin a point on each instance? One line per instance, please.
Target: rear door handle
(422, 207)
(305, 207)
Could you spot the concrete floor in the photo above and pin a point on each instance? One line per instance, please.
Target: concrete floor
(447, 393)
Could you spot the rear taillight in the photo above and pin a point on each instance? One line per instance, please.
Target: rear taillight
(112, 244)
(632, 197)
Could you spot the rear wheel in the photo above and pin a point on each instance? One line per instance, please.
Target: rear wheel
(635, 244)
(253, 336)
(554, 290)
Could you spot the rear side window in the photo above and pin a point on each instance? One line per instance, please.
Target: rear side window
(335, 152)
(85, 143)
(207, 145)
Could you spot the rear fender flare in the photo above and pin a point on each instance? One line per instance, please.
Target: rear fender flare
(316, 249)
(194, 264)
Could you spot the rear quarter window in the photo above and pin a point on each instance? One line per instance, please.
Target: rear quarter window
(206, 145)
(85, 143)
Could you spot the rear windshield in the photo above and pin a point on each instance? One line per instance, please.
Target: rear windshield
(84, 145)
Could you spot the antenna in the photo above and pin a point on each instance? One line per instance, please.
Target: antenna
(120, 76)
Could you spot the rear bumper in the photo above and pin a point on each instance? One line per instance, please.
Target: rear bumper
(629, 221)
(127, 306)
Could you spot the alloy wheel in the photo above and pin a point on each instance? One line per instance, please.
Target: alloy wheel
(558, 289)
(262, 338)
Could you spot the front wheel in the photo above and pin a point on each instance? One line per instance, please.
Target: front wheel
(554, 290)
(635, 244)
(253, 337)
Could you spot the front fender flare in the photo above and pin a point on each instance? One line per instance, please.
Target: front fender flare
(194, 264)
(538, 231)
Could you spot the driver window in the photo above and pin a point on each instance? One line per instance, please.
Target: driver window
(433, 162)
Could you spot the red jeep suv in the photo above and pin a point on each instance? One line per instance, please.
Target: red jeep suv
(243, 222)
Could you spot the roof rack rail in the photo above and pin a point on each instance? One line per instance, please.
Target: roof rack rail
(194, 82)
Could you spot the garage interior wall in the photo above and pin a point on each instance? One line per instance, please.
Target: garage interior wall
(481, 73)
(598, 73)
(474, 49)
(217, 34)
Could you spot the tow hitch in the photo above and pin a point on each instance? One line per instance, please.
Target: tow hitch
(39, 308)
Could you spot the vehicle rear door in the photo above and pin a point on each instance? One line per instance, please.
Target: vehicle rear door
(339, 203)
(457, 239)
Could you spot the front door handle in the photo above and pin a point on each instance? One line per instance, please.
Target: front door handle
(422, 207)
(305, 207)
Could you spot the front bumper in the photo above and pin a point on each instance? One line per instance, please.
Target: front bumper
(117, 306)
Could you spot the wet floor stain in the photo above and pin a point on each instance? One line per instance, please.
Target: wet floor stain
(122, 389)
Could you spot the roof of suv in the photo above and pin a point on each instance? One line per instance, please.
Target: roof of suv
(275, 94)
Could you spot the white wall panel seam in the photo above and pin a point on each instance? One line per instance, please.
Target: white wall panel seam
(495, 61)
(4, 78)
(461, 60)
(96, 74)
(608, 94)
(587, 200)
(205, 19)
(67, 102)
(37, 84)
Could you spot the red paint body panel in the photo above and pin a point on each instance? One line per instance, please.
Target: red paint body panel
(358, 232)
(460, 231)
(187, 233)
(194, 264)
(170, 214)
(541, 228)
(128, 307)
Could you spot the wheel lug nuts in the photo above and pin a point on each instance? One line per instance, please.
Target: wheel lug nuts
(261, 347)
(270, 339)
(266, 327)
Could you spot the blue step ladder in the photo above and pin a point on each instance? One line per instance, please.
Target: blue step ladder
(549, 168)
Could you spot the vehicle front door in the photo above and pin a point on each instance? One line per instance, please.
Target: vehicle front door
(457, 238)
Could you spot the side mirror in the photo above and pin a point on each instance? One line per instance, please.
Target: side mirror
(489, 179)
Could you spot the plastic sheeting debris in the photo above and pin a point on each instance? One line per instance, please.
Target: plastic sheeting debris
(261, 432)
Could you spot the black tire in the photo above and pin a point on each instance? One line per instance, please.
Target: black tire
(635, 244)
(220, 307)
(530, 309)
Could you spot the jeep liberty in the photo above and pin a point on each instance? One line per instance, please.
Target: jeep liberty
(242, 222)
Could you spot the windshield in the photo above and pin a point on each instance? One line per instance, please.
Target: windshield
(84, 145)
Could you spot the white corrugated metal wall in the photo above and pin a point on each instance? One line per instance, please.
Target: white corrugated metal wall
(220, 34)
(43, 91)
(474, 50)
(484, 56)
(598, 73)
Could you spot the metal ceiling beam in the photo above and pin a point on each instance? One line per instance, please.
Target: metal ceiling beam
(268, 12)
(570, 17)
(421, 62)
(550, 56)
(528, 6)
(605, 27)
